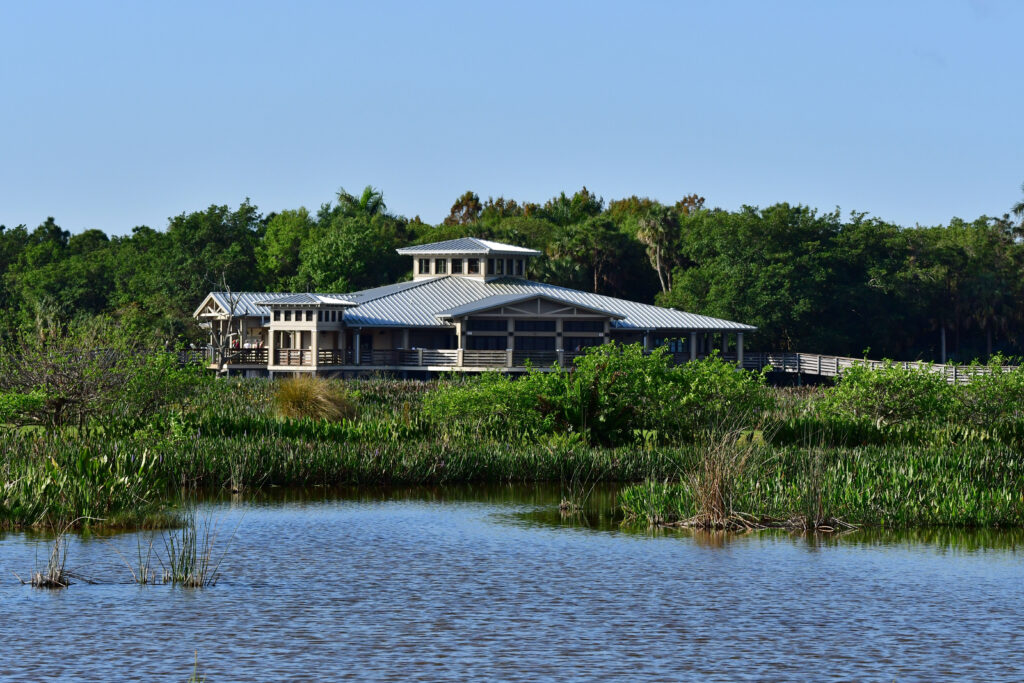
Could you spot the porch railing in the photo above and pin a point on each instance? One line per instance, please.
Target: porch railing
(247, 357)
(297, 357)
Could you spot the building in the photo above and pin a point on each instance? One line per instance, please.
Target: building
(469, 308)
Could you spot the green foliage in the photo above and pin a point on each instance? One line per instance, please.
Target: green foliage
(611, 392)
(893, 393)
(893, 486)
(56, 483)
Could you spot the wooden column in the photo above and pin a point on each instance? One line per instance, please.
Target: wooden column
(693, 346)
(356, 344)
(739, 349)
(314, 347)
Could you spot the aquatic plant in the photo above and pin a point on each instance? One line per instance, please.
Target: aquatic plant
(189, 550)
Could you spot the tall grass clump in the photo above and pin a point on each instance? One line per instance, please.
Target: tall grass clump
(190, 553)
(308, 397)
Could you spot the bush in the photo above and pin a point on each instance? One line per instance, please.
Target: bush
(613, 395)
(309, 397)
(890, 394)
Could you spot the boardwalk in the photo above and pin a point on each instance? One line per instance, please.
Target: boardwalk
(833, 366)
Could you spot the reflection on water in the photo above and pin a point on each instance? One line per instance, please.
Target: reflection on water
(494, 582)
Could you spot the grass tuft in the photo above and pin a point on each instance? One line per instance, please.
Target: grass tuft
(308, 397)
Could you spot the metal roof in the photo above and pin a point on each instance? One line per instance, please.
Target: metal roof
(419, 303)
(307, 299)
(467, 245)
(508, 299)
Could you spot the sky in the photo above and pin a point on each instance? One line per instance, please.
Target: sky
(117, 114)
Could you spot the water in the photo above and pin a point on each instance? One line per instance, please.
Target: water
(495, 584)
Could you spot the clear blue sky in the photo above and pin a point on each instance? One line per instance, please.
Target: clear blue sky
(115, 114)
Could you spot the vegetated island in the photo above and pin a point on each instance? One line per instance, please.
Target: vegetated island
(110, 437)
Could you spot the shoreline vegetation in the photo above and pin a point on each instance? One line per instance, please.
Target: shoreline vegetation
(122, 436)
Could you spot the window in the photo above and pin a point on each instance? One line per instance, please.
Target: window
(309, 316)
(510, 266)
(583, 326)
(424, 266)
(473, 266)
(441, 266)
(334, 316)
(535, 326)
(519, 266)
(501, 265)
(319, 316)
(456, 266)
(486, 326)
(490, 266)
(277, 315)
(487, 343)
(287, 315)
(535, 343)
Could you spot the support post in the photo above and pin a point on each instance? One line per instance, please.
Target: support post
(693, 346)
(647, 341)
(739, 349)
(405, 338)
(725, 343)
(356, 344)
(271, 346)
(314, 348)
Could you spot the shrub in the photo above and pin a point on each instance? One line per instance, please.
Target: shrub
(305, 396)
(611, 395)
(889, 394)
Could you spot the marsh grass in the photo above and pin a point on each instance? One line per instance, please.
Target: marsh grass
(308, 397)
(190, 560)
(55, 574)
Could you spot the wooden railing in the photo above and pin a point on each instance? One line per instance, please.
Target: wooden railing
(247, 357)
(833, 366)
(475, 358)
(292, 356)
(802, 363)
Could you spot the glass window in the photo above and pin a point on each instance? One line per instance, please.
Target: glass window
(319, 316)
(424, 266)
(441, 266)
(486, 325)
(535, 326)
(309, 316)
(501, 265)
(456, 266)
(287, 315)
(486, 343)
(490, 266)
(583, 326)
(334, 316)
(277, 315)
(473, 266)
(519, 266)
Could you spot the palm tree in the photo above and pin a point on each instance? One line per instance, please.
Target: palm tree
(370, 203)
(655, 233)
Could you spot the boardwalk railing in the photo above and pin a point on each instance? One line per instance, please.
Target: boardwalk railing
(802, 363)
(833, 366)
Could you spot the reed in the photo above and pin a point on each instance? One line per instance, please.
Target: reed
(190, 553)
(305, 396)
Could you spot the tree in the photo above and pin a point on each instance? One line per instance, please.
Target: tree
(466, 210)
(370, 203)
(277, 254)
(658, 230)
(592, 246)
(564, 211)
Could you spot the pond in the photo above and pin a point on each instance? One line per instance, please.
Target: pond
(493, 583)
